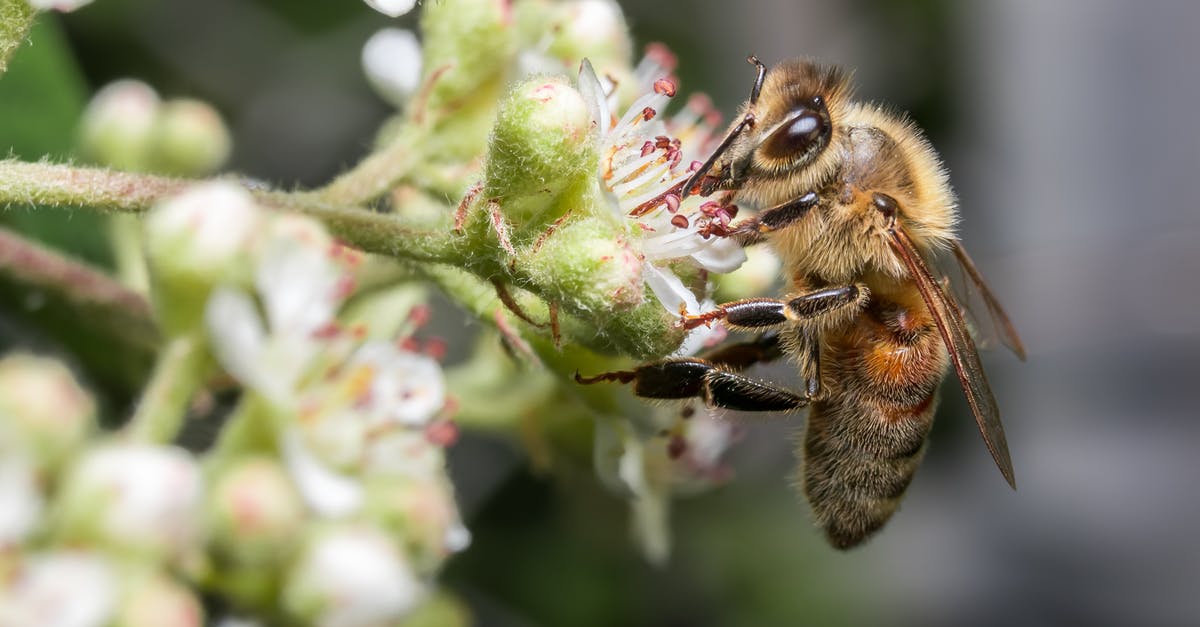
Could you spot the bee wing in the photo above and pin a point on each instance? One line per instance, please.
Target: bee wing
(1000, 320)
(953, 328)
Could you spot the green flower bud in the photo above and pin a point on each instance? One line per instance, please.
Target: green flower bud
(44, 413)
(593, 30)
(540, 147)
(190, 139)
(138, 500)
(588, 264)
(151, 599)
(255, 514)
(119, 123)
(468, 44)
(195, 241)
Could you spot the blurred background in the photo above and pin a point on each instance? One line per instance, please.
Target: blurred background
(1071, 134)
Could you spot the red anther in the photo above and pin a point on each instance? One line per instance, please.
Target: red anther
(700, 102)
(442, 432)
(409, 345)
(648, 113)
(676, 447)
(344, 287)
(327, 331)
(435, 347)
(647, 148)
(420, 315)
(680, 221)
(665, 86)
(676, 158)
(732, 210)
(672, 201)
(710, 208)
(662, 55)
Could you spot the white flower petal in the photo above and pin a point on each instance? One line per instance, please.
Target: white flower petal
(669, 289)
(238, 340)
(63, 6)
(720, 255)
(328, 494)
(593, 95)
(20, 500)
(392, 8)
(391, 59)
(297, 282)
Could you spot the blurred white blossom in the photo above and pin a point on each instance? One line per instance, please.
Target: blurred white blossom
(60, 589)
(352, 576)
(392, 8)
(391, 59)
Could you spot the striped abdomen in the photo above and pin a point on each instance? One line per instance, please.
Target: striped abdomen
(866, 435)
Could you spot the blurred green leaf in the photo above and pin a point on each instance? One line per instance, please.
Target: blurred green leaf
(41, 98)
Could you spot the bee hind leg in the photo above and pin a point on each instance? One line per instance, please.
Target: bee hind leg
(767, 313)
(681, 378)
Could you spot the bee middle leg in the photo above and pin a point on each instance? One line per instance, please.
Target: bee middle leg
(688, 377)
(768, 313)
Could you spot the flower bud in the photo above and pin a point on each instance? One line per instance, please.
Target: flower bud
(423, 512)
(351, 575)
(196, 240)
(44, 413)
(593, 30)
(190, 139)
(140, 500)
(119, 122)
(541, 145)
(468, 44)
(255, 514)
(60, 589)
(152, 599)
(588, 263)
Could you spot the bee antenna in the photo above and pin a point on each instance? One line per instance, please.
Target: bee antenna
(762, 74)
(747, 122)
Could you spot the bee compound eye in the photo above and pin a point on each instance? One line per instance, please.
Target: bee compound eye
(885, 204)
(804, 133)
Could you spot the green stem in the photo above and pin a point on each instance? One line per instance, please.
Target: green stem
(379, 172)
(177, 376)
(16, 18)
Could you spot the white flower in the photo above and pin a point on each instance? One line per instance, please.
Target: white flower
(326, 492)
(391, 59)
(62, 6)
(642, 172)
(136, 497)
(208, 231)
(301, 287)
(63, 589)
(350, 577)
(20, 499)
(392, 8)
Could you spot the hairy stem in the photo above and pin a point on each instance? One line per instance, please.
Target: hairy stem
(36, 267)
(379, 172)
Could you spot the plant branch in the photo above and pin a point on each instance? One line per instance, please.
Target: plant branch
(33, 265)
(379, 172)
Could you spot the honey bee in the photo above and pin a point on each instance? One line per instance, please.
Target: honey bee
(857, 203)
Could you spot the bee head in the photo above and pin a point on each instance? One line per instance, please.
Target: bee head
(795, 120)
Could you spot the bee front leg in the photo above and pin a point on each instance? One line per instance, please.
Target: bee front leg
(681, 378)
(766, 313)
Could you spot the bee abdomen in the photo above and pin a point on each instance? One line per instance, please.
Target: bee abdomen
(858, 461)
